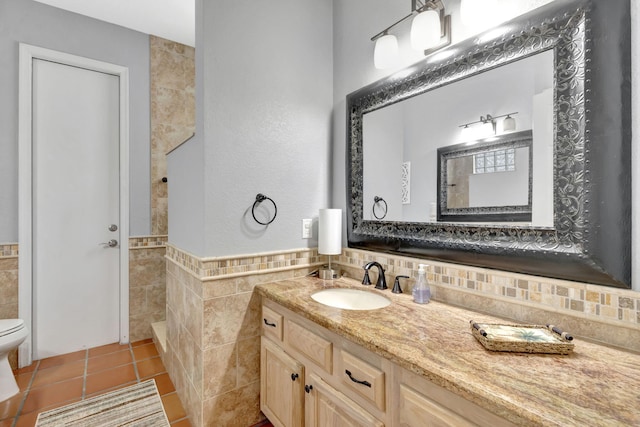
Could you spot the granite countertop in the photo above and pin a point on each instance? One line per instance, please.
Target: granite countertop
(596, 385)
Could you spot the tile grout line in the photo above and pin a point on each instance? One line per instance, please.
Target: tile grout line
(84, 376)
(135, 364)
(26, 394)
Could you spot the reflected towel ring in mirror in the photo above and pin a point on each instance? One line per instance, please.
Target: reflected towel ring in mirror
(259, 199)
(376, 200)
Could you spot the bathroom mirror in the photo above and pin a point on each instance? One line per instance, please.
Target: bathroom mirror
(487, 181)
(400, 141)
(586, 237)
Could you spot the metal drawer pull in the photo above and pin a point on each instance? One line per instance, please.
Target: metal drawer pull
(273, 325)
(367, 383)
(308, 388)
(294, 376)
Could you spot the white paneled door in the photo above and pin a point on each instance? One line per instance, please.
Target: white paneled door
(75, 208)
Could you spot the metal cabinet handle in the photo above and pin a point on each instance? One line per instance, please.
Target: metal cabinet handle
(294, 377)
(273, 325)
(365, 383)
(111, 243)
(308, 388)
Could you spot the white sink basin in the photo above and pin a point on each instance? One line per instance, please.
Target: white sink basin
(351, 299)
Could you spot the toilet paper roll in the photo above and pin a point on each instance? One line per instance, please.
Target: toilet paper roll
(330, 232)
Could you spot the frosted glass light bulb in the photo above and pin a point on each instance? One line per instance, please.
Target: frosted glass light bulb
(509, 124)
(425, 30)
(486, 130)
(467, 134)
(385, 53)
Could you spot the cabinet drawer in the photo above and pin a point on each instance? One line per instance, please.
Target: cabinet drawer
(326, 406)
(366, 380)
(312, 346)
(271, 324)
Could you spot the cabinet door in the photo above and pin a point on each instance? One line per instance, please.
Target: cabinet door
(327, 407)
(281, 386)
(417, 410)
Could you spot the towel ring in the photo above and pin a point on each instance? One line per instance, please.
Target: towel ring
(376, 200)
(259, 199)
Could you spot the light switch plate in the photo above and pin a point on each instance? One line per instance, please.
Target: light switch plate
(306, 228)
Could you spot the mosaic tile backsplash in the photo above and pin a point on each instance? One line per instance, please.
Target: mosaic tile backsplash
(606, 303)
(244, 264)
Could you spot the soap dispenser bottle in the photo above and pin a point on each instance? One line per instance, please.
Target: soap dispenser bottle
(421, 291)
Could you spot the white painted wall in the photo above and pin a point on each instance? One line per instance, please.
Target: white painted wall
(40, 25)
(264, 118)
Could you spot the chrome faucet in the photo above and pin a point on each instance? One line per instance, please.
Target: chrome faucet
(382, 282)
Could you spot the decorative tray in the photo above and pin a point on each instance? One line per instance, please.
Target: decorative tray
(522, 338)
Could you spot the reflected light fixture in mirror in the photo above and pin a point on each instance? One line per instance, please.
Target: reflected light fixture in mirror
(487, 126)
(509, 124)
(385, 54)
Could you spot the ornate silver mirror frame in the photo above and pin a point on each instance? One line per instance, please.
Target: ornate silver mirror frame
(484, 213)
(591, 238)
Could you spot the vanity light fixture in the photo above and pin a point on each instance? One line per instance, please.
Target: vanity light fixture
(430, 31)
(487, 126)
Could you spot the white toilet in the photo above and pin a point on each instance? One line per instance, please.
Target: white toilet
(12, 333)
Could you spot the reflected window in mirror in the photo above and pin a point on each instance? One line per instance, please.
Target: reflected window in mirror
(488, 181)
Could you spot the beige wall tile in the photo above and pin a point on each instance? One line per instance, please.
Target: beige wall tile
(248, 361)
(137, 302)
(156, 298)
(193, 316)
(223, 318)
(238, 408)
(221, 367)
(172, 83)
(9, 311)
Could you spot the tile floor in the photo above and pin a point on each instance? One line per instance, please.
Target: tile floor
(57, 381)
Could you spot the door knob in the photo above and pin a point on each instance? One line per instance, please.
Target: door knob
(113, 227)
(111, 243)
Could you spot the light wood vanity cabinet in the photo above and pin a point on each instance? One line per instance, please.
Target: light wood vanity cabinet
(281, 386)
(313, 377)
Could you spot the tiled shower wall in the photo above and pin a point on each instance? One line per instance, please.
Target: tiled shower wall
(213, 330)
(147, 285)
(147, 278)
(173, 115)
